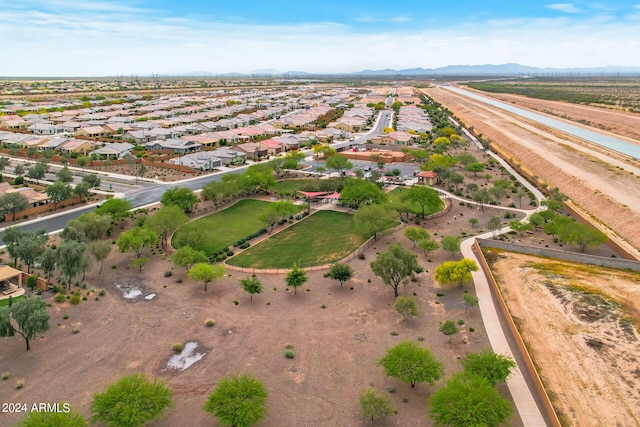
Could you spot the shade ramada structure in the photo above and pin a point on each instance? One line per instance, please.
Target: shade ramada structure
(316, 196)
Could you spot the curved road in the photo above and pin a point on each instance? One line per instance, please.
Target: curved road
(152, 193)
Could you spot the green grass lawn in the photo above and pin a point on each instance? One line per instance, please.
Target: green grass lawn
(393, 198)
(14, 299)
(322, 238)
(222, 229)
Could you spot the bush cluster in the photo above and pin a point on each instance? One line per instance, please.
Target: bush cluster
(249, 237)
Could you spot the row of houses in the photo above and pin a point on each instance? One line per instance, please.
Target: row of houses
(413, 118)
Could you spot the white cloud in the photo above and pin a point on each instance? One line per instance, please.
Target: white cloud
(564, 7)
(89, 43)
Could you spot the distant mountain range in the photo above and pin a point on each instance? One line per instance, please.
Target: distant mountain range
(510, 69)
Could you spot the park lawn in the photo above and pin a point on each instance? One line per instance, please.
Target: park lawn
(311, 184)
(393, 199)
(5, 301)
(322, 238)
(222, 229)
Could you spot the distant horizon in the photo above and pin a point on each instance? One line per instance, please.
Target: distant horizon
(78, 38)
(457, 70)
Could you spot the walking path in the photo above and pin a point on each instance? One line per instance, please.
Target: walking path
(522, 396)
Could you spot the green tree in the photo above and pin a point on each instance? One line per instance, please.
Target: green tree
(165, 221)
(13, 202)
(186, 256)
(521, 226)
(498, 193)
(37, 171)
(466, 159)
(468, 400)
(323, 150)
(450, 244)
(19, 170)
(425, 197)
(455, 272)
(10, 237)
(71, 259)
(494, 225)
(239, 401)
(48, 262)
(215, 192)
(115, 208)
(27, 317)
(251, 285)
(94, 226)
(53, 419)
(582, 235)
(257, 178)
(359, 191)
(136, 240)
(92, 179)
(182, 197)
(340, 272)
(296, 277)
(489, 365)
(81, 190)
(29, 246)
(140, 262)
(204, 272)
(449, 328)
(406, 307)
(394, 265)
(369, 220)
(277, 211)
(415, 234)
(100, 250)
(469, 301)
(428, 245)
(411, 364)
(338, 163)
(4, 162)
(83, 161)
(132, 401)
(375, 405)
(482, 197)
(57, 192)
(65, 175)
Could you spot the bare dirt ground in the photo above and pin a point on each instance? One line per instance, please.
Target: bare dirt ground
(577, 321)
(336, 348)
(599, 182)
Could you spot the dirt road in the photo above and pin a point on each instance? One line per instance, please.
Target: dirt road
(603, 184)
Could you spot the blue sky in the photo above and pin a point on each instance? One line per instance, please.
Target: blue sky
(102, 38)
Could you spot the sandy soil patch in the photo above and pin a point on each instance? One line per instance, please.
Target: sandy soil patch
(578, 323)
(336, 348)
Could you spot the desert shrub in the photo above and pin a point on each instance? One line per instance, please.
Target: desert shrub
(59, 298)
(209, 323)
(289, 354)
(19, 383)
(75, 330)
(177, 347)
(168, 273)
(75, 299)
(5, 375)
